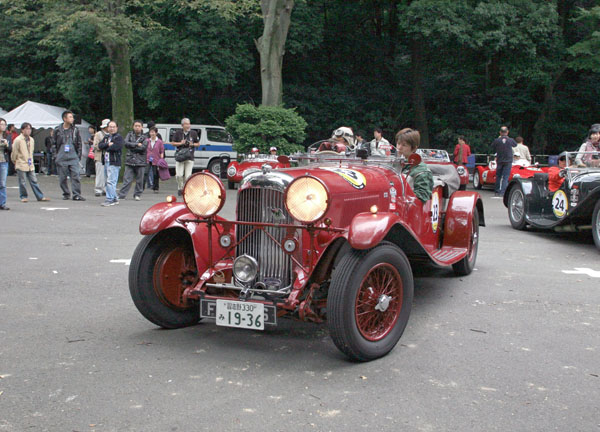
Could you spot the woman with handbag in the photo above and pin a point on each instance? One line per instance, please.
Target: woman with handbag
(156, 152)
(186, 140)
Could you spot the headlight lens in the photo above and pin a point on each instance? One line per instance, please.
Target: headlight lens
(306, 199)
(231, 171)
(204, 194)
(460, 170)
(245, 268)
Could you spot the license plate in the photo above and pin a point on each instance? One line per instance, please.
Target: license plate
(231, 313)
(208, 309)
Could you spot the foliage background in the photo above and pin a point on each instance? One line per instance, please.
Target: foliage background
(457, 67)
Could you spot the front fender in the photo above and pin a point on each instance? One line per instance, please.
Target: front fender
(163, 215)
(457, 229)
(367, 229)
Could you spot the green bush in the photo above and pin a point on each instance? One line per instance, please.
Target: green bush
(266, 126)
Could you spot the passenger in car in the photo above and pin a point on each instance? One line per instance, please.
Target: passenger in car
(407, 142)
(556, 174)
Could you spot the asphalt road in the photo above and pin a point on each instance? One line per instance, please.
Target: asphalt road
(515, 346)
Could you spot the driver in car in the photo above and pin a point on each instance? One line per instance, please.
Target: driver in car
(556, 174)
(341, 139)
(419, 176)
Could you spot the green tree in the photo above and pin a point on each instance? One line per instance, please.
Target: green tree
(266, 126)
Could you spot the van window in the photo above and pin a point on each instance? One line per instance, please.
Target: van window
(218, 135)
(173, 131)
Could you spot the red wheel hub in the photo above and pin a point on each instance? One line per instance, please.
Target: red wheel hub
(175, 270)
(378, 302)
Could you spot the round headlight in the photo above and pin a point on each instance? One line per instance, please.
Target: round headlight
(204, 194)
(460, 170)
(245, 268)
(306, 199)
(231, 171)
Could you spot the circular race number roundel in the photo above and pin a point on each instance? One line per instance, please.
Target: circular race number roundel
(435, 211)
(560, 204)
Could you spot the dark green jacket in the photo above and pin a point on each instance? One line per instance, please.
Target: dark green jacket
(422, 180)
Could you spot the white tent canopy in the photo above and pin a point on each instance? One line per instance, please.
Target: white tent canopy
(39, 115)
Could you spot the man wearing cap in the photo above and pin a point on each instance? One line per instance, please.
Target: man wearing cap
(273, 152)
(556, 174)
(100, 185)
(503, 147)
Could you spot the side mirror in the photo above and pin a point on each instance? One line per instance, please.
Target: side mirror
(362, 153)
(414, 159)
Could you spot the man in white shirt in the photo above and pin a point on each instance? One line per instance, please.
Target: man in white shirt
(380, 146)
(522, 149)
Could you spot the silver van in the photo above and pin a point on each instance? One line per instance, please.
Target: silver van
(215, 142)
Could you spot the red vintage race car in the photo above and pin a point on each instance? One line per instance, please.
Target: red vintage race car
(486, 175)
(441, 157)
(334, 240)
(236, 170)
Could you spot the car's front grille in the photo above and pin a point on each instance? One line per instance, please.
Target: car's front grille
(264, 205)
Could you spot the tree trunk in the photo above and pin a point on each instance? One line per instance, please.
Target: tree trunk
(540, 140)
(121, 89)
(271, 47)
(418, 94)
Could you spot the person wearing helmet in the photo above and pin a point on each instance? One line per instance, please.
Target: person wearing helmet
(341, 139)
(254, 152)
(273, 151)
(519, 161)
(592, 144)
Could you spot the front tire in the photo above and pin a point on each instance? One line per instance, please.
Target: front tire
(369, 301)
(516, 208)
(476, 180)
(596, 224)
(162, 266)
(467, 264)
(214, 167)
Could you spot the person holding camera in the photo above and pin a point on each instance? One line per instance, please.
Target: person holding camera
(111, 146)
(186, 140)
(135, 161)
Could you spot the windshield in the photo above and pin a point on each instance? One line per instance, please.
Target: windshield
(433, 155)
(583, 160)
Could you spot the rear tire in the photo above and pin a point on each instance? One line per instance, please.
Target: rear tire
(380, 277)
(516, 208)
(467, 264)
(596, 224)
(476, 180)
(162, 266)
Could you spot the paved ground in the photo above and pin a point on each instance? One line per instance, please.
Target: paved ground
(514, 346)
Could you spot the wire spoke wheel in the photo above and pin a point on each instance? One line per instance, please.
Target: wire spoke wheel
(516, 208)
(378, 302)
(369, 301)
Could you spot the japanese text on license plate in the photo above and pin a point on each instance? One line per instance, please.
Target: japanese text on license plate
(240, 314)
